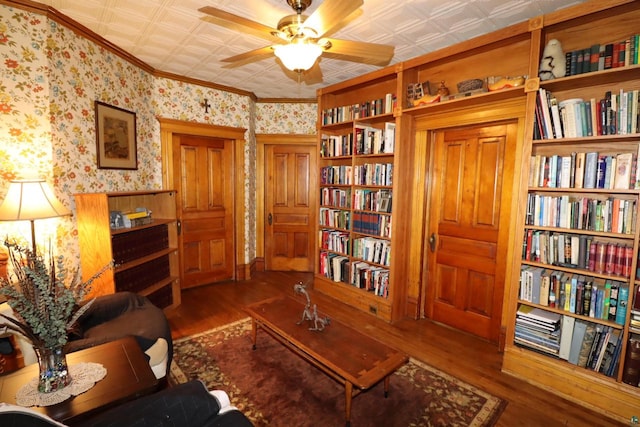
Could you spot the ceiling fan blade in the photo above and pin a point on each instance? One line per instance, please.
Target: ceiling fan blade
(330, 13)
(366, 53)
(238, 23)
(248, 57)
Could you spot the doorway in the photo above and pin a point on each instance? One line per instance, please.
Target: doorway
(465, 276)
(201, 163)
(288, 190)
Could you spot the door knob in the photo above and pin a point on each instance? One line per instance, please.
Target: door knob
(432, 242)
(270, 219)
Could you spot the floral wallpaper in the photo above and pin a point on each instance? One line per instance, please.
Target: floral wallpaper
(50, 80)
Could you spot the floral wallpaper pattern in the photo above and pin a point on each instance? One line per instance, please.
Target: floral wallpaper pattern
(50, 80)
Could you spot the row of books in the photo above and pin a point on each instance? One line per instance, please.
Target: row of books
(585, 170)
(334, 240)
(370, 140)
(600, 57)
(384, 105)
(334, 266)
(372, 200)
(610, 215)
(336, 218)
(338, 197)
(598, 298)
(578, 251)
(585, 344)
(592, 346)
(372, 223)
(336, 175)
(336, 145)
(367, 174)
(371, 278)
(614, 114)
(373, 174)
(373, 250)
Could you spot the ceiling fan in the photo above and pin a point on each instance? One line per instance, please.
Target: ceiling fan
(299, 40)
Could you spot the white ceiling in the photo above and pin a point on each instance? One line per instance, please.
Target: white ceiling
(171, 36)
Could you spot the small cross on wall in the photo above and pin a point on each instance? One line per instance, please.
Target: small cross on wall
(205, 104)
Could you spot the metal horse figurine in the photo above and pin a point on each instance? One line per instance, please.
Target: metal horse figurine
(310, 312)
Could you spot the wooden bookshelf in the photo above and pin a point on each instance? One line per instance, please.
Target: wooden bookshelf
(578, 28)
(145, 256)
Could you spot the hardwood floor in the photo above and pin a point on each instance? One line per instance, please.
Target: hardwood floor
(471, 359)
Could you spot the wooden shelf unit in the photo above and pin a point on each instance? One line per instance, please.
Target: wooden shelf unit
(150, 264)
(576, 28)
(355, 224)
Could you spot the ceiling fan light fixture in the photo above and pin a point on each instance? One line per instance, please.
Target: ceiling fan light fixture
(298, 56)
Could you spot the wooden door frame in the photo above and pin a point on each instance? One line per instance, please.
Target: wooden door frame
(261, 141)
(171, 127)
(424, 128)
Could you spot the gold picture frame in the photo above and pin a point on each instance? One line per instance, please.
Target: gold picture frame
(116, 144)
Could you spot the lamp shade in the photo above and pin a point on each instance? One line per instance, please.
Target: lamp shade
(298, 56)
(30, 200)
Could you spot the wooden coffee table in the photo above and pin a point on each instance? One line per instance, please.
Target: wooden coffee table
(351, 358)
(129, 376)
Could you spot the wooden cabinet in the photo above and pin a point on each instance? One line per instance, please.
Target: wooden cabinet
(145, 256)
(564, 204)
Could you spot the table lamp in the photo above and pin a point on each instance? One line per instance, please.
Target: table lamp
(28, 200)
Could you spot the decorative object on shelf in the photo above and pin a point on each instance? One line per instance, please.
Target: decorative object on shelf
(45, 308)
(116, 145)
(498, 82)
(552, 65)
(426, 99)
(310, 311)
(469, 85)
(442, 89)
(28, 200)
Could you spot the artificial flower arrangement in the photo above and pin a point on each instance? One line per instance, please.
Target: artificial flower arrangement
(45, 306)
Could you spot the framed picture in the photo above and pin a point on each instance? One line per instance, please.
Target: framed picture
(115, 137)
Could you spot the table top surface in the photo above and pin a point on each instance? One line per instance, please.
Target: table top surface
(356, 357)
(128, 376)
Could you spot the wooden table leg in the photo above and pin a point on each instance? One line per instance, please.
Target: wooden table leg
(254, 332)
(386, 385)
(348, 395)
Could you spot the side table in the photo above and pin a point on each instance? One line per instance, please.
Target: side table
(129, 376)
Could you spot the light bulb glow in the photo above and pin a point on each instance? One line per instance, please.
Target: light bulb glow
(298, 56)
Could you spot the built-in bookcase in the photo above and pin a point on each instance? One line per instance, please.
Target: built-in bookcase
(357, 160)
(576, 264)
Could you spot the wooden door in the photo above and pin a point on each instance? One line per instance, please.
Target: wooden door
(289, 207)
(206, 192)
(464, 287)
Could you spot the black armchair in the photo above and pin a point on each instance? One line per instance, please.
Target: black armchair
(115, 316)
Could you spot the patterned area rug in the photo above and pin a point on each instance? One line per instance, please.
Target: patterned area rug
(275, 387)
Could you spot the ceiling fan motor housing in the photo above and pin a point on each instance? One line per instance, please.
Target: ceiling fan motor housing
(299, 5)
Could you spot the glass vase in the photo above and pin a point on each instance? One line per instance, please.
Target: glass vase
(54, 373)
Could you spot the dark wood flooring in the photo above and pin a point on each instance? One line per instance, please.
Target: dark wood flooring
(471, 359)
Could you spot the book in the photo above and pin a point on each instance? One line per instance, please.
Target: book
(624, 163)
(631, 372)
(579, 330)
(587, 343)
(566, 337)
